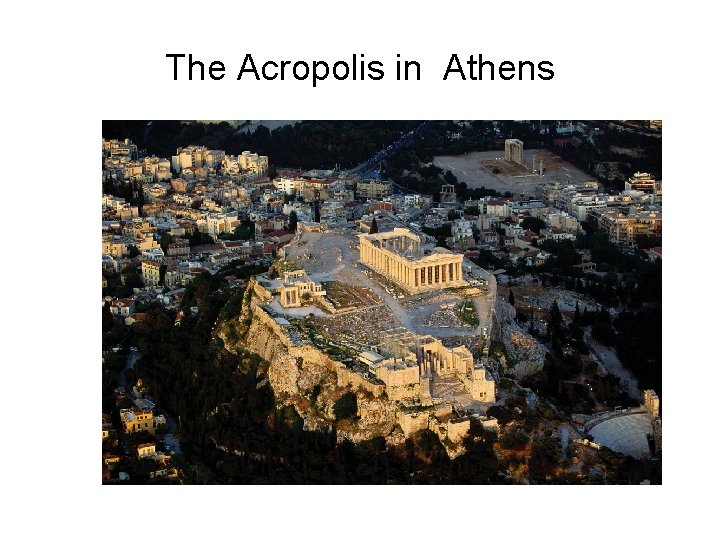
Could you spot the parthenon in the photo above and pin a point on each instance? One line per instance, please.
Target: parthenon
(398, 255)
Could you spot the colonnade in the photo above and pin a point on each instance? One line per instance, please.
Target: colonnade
(428, 272)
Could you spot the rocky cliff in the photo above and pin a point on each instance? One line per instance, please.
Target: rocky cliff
(306, 378)
(526, 355)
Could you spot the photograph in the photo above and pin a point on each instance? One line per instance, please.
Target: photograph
(302, 302)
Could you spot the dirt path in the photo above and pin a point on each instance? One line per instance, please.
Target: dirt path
(608, 358)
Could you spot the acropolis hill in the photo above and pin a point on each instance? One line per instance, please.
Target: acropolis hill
(388, 316)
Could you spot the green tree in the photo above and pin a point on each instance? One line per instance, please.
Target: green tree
(556, 318)
(197, 238)
(373, 226)
(545, 456)
(514, 439)
(533, 223)
(292, 222)
(107, 318)
(511, 298)
(165, 241)
(602, 328)
(132, 278)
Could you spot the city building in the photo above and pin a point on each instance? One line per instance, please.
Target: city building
(122, 306)
(247, 162)
(151, 273)
(179, 247)
(372, 189)
(196, 156)
(136, 420)
(115, 148)
(624, 225)
(639, 181)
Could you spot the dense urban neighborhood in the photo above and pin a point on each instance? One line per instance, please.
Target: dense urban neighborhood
(324, 302)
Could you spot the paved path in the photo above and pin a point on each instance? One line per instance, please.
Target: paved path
(608, 359)
(129, 364)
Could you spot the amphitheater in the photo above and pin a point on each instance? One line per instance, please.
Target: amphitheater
(625, 433)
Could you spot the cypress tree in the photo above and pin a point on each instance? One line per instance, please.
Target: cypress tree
(373, 226)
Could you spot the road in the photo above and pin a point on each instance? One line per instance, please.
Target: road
(129, 364)
(373, 164)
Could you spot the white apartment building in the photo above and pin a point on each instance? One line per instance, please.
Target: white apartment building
(461, 228)
(247, 161)
(196, 156)
(116, 148)
(154, 165)
(289, 185)
(562, 220)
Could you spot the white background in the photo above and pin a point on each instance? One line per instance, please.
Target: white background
(67, 66)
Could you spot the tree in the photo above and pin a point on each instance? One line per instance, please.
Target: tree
(515, 439)
(317, 212)
(107, 318)
(511, 298)
(131, 278)
(108, 187)
(556, 319)
(197, 238)
(165, 241)
(602, 328)
(532, 322)
(533, 223)
(292, 223)
(132, 252)
(373, 226)
(544, 457)
(241, 232)
(163, 271)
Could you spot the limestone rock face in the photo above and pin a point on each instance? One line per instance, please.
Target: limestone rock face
(308, 379)
(528, 355)
(377, 419)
